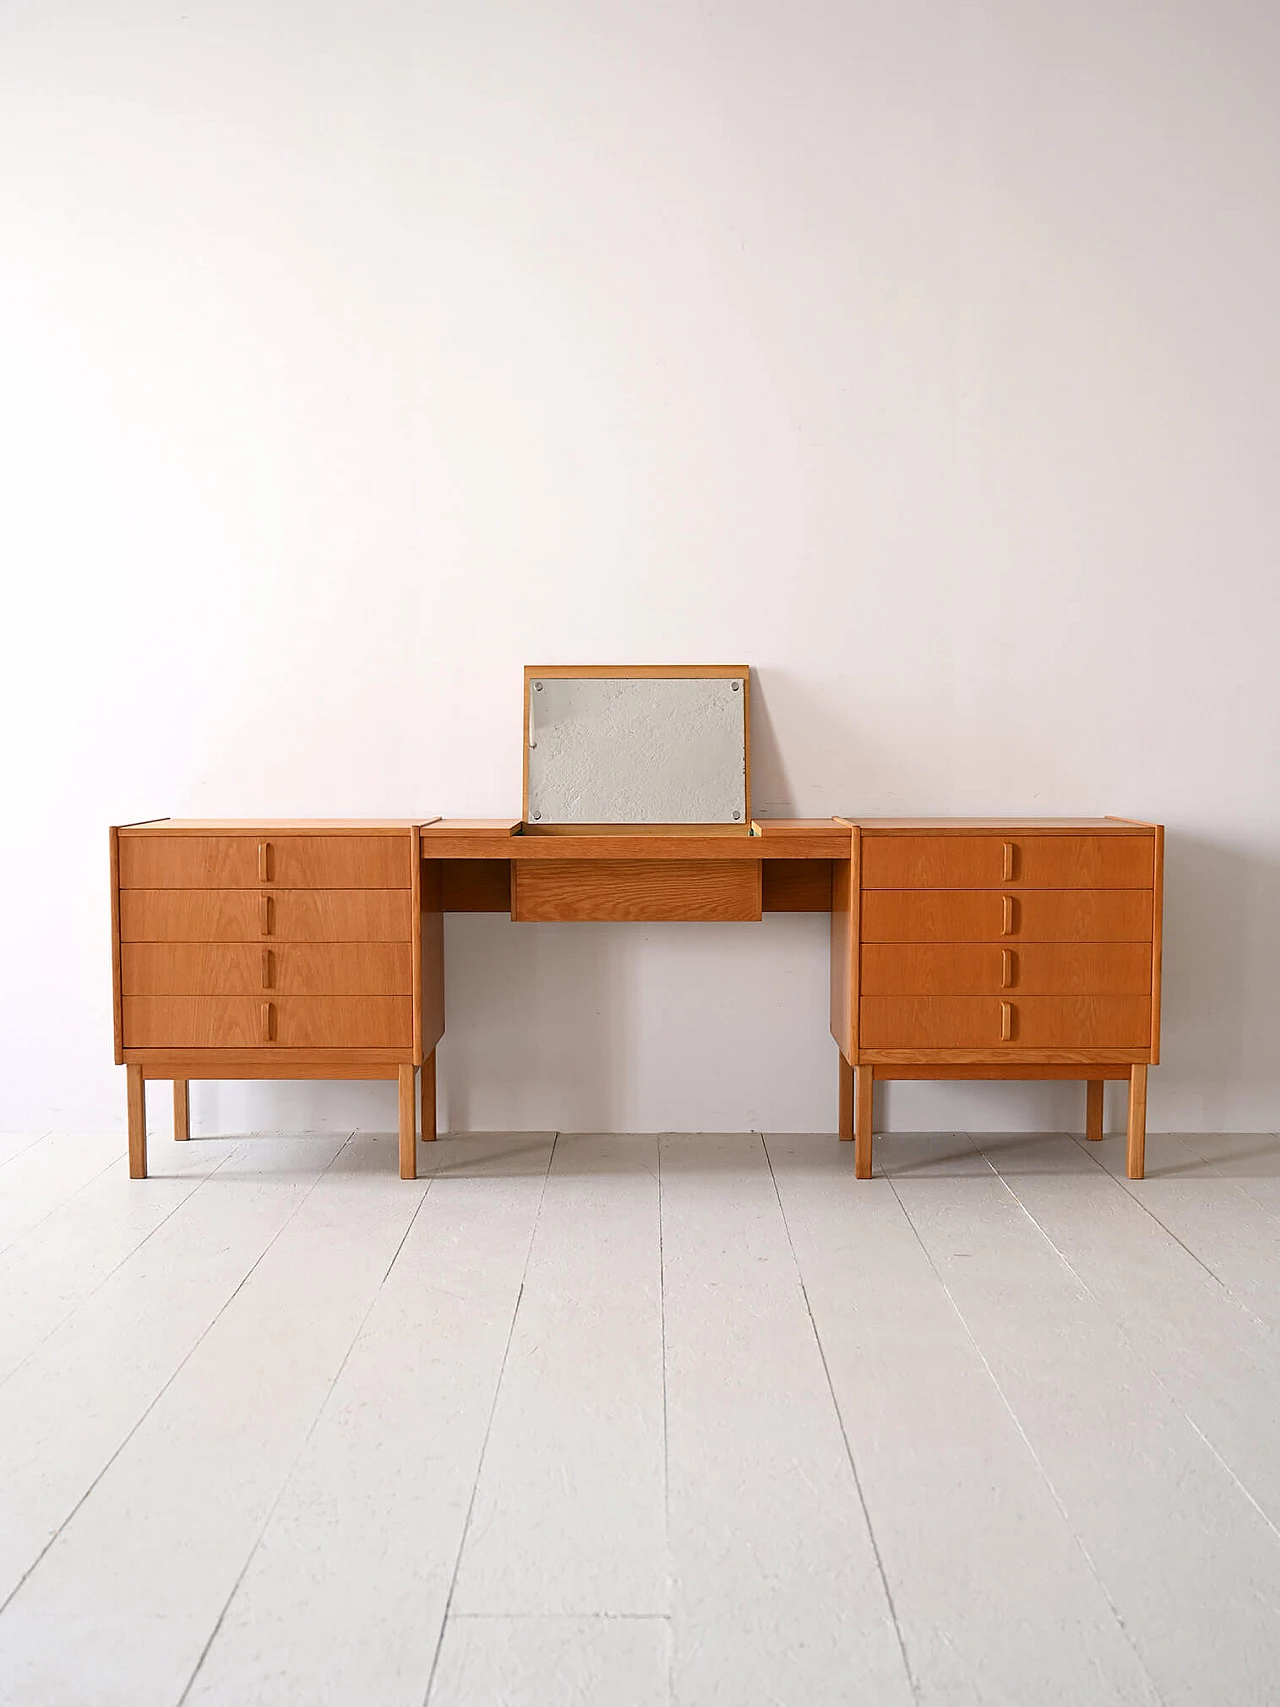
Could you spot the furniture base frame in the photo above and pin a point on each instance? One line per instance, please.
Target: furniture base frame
(857, 1098)
(181, 1069)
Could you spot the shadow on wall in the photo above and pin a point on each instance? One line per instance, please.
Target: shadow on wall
(1221, 982)
(550, 1010)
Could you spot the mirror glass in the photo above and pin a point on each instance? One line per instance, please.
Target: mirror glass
(637, 750)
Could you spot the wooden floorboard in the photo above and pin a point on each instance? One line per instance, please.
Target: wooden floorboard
(679, 1421)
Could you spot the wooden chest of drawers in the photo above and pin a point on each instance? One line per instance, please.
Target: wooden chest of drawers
(997, 950)
(275, 950)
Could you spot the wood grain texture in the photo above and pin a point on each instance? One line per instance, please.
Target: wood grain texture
(987, 1068)
(256, 1063)
(136, 1097)
(273, 826)
(234, 915)
(572, 890)
(974, 969)
(1030, 861)
(998, 827)
(474, 885)
(959, 1022)
(428, 1094)
(1094, 1104)
(796, 885)
(116, 987)
(1157, 943)
(181, 1111)
(864, 1117)
(948, 1059)
(286, 968)
(415, 941)
(429, 1025)
(299, 1022)
(408, 1120)
(1045, 915)
(157, 861)
(642, 672)
(1136, 1135)
(845, 1099)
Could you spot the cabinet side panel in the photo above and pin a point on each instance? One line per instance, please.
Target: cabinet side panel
(1157, 933)
(844, 951)
(116, 1010)
(431, 967)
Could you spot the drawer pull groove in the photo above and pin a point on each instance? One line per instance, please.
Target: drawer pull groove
(1008, 969)
(1008, 916)
(1010, 855)
(268, 1022)
(268, 970)
(264, 862)
(265, 913)
(1006, 1022)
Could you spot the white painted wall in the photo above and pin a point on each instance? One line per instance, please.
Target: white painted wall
(925, 356)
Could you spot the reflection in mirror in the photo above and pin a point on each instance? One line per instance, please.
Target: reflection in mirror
(637, 750)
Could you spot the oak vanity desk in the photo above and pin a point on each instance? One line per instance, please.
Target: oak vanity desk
(275, 950)
(987, 949)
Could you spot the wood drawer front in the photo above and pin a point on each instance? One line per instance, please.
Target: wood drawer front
(979, 1022)
(1008, 861)
(251, 862)
(636, 889)
(244, 969)
(976, 969)
(291, 915)
(287, 1022)
(1046, 915)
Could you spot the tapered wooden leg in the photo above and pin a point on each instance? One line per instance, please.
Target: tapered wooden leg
(1137, 1120)
(846, 1099)
(137, 1094)
(408, 1120)
(181, 1110)
(1093, 1109)
(429, 1097)
(866, 1085)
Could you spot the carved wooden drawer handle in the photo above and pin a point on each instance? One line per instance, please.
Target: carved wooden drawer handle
(1006, 1022)
(265, 905)
(1008, 969)
(264, 862)
(268, 969)
(1010, 855)
(268, 1022)
(1008, 917)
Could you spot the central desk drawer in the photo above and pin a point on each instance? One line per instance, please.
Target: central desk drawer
(979, 1022)
(286, 1022)
(243, 969)
(241, 915)
(975, 915)
(980, 968)
(1016, 861)
(636, 889)
(279, 861)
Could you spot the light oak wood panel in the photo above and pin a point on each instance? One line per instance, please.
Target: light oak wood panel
(334, 1022)
(1009, 861)
(275, 1063)
(1046, 915)
(240, 915)
(278, 861)
(958, 1022)
(1034, 969)
(796, 885)
(232, 969)
(474, 885)
(639, 890)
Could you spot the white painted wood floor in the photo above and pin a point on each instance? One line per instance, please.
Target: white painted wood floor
(631, 1421)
